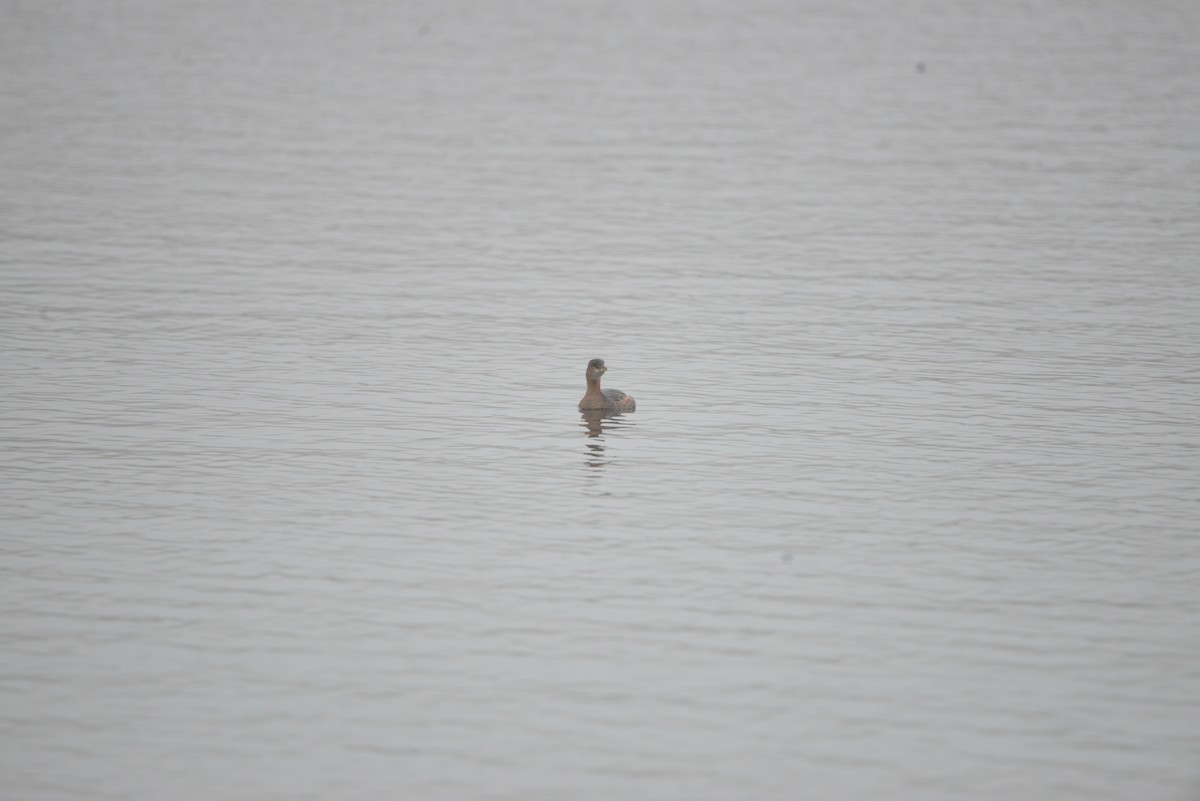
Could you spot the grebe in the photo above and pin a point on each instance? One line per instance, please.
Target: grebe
(607, 400)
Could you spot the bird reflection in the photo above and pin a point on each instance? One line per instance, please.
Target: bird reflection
(597, 423)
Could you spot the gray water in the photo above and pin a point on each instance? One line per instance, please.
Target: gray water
(295, 304)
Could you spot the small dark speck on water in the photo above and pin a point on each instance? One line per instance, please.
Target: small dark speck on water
(423, 30)
(921, 66)
(786, 557)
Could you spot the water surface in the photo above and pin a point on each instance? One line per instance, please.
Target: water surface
(296, 301)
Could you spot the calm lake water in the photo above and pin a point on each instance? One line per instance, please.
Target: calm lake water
(296, 300)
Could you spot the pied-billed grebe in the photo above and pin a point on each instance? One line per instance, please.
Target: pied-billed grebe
(608, 400)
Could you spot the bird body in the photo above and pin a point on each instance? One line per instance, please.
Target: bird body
(606, 400)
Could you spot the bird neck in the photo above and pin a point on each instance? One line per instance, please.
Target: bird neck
(593, 389)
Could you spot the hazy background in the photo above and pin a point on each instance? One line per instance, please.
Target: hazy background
(295, 303)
